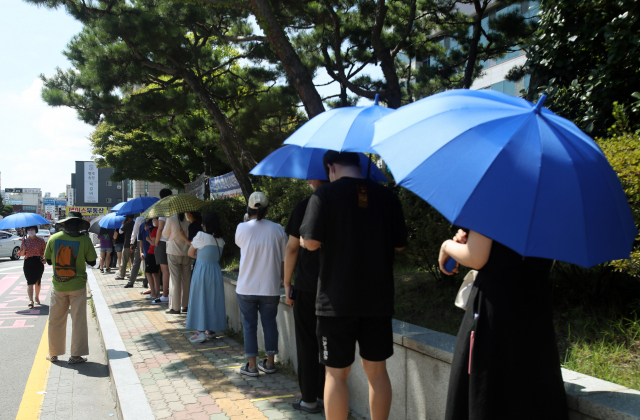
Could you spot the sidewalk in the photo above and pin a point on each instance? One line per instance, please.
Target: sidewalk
(83, 391)
(186, 381)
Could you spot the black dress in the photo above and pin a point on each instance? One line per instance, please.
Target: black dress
(515, 369)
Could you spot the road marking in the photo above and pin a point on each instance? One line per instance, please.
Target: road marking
(31, 399)
(270, 398)
(18, 323)
(213, 348)
(230, 367)
(7, 281)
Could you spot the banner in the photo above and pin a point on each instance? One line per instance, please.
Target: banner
(90, 182)
(196, 187)
(88, 211)
(50, 202)
(23, 190)
(70, 194)
(224, 186)
(14, 202)
(60, 202)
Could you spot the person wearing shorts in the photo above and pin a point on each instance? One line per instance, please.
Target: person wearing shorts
(360, 225)
(151, 268)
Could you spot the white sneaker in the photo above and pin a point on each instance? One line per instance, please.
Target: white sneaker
(198, 338)
(164, 299)
(161, 299)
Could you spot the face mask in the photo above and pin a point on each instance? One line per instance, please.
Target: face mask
(31, 232)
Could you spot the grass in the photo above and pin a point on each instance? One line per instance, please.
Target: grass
(597, 332)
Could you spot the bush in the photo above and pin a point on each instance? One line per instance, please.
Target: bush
(283, 195)
(231, 212)
(622, 150)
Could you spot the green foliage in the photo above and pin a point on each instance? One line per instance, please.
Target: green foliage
(585, 56)
(283, 194)
(5, 210)
(623, 152)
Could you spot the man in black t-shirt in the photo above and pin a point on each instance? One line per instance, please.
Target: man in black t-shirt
(125, 230)
(359, 225)
(311, 372)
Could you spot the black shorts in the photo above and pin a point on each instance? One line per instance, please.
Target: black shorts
(337, 337)
(150, 266)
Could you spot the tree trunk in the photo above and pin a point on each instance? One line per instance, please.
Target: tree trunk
(473, 46)
(393, 93)
(343, 96)
(298, 74)
(229, 137)
(207, 174)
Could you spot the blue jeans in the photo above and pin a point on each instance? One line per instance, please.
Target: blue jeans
(250, 305)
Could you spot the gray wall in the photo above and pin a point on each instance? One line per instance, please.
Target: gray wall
(104, 192)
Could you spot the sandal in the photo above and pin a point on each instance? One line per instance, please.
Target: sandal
(30, 305)
(37, 302)
(74, 360)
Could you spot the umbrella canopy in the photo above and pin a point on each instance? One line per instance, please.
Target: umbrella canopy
(137, 205)
(94, 227)
(172, 205)
(347, 129)
(512, 171)
(118, 206)
(20, 220)
(111, 221)
(305, 163)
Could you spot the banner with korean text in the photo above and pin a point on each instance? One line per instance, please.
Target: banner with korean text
(224, 186)
(90, 182)
(88, 211)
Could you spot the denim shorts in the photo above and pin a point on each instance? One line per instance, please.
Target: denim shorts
(119, 247)
(105, 250)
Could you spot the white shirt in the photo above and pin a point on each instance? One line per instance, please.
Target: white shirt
(175, 244)
(203, 239)
(162, 237)
(262, 245)
(136, 228)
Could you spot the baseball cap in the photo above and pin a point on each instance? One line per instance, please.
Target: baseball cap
(258, 199)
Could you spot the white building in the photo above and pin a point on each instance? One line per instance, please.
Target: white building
(146, 189)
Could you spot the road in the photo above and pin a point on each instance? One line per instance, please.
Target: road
(72, 391)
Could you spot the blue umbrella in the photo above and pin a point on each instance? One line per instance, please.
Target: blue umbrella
(348, 129)
(111, 221)
(305, 163)
(118, 206)
(137, 205)
(20, 220)
(512, 171)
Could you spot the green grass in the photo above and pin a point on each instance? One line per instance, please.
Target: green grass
(598, 333)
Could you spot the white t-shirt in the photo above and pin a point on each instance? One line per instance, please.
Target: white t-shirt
(203, 239)
(136, 229)
(262, 245)
(162, 237)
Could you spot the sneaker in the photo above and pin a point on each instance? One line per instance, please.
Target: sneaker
(298, 406)
(184, 310)
(118, 278)
(108, 271)
(244, 370)
(52, 358)
(74, 360)
(198, 338)
(172, 311)
(157, 300)
(210, 335)
(262, 365)
(128, 286)
(102, 270)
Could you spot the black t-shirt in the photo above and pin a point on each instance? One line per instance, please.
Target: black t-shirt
(194, 228)
(359, 223)
(308, 264)
(127, 228)
(120, 239)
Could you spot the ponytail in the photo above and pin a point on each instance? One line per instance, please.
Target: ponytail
(260, 211)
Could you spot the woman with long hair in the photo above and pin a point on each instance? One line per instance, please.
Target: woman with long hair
(106, 247)
(207, 312)
(32, 249)
(179, 263)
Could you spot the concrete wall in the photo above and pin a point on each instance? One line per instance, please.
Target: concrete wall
(419, 370)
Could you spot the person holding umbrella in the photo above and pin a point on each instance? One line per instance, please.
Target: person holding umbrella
(32, 249)
(106, 247)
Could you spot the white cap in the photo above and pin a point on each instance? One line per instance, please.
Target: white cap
(258, 199)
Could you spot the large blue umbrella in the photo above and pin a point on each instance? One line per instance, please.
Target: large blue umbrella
(111, 221)
(512, 171)
(305, 163)
(137, 205)
(118, 206)
(20, 220)
(347, 129)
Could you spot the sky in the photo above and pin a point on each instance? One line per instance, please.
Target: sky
(39, 144)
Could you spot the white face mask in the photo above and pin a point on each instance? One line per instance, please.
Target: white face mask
(31, 232)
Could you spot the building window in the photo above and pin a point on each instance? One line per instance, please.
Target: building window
(129, 188)
(119, 200)
(109, 183)
(146, 189)
(119, 186)
(109, 200)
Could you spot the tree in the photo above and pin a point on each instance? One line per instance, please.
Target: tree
(174, 46)
(585, 56)
(5, 210)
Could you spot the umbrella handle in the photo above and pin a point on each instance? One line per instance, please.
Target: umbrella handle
(450, 265)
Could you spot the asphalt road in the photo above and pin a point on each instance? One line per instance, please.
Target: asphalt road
(20, 333)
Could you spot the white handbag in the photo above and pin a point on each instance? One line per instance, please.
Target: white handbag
(465, 290)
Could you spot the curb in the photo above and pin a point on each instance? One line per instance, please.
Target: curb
(130, 398)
